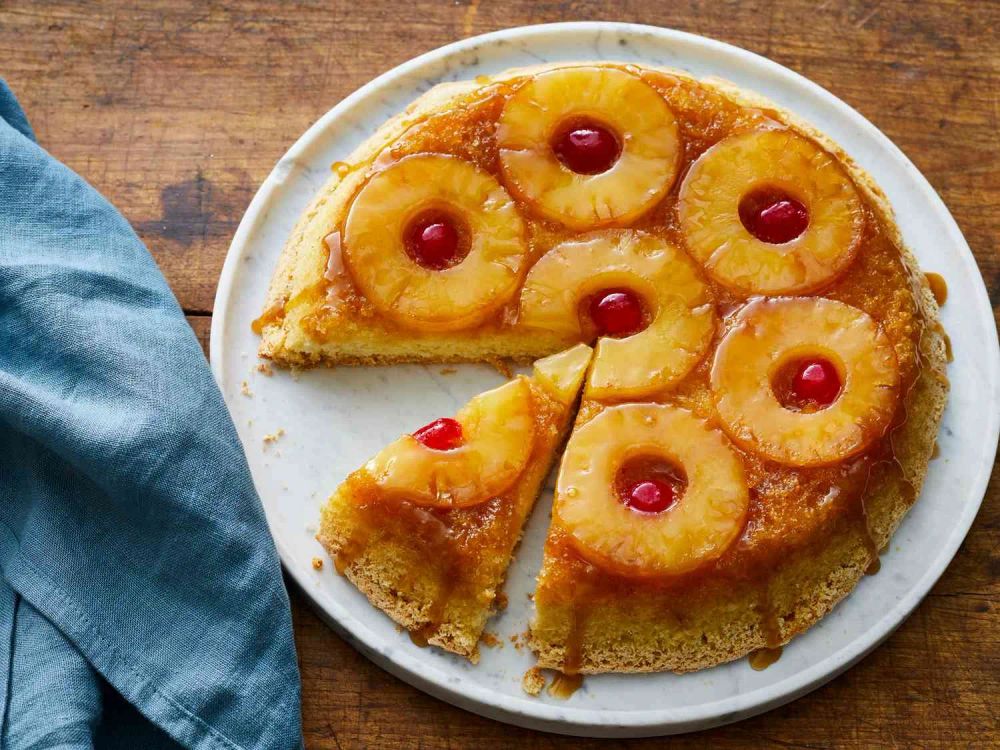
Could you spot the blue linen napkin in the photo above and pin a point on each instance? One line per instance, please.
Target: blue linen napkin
(137, 568)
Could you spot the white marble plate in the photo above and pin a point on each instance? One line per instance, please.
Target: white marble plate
(334, 420)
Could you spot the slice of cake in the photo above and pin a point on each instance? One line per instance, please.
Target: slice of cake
(427, 527)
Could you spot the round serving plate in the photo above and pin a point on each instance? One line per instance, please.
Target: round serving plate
(303, 433)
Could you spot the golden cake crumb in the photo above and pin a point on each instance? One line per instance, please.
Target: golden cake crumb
(533, 681)
(273, 437)
(264, 368)
(245, 389)
(491, 640)
(448, 370)
(500, 365)
(500, 603)
(317, 563)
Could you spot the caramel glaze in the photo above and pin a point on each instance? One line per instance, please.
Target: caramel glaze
(762, 658)
(939, 287)
(461, 551)
(791, 509)
(467, 131)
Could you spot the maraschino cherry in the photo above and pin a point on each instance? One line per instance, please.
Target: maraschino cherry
(433, 242)
(650, 496)
(616, 312)
(442, 434)
(777, 221)
(587, 149)
(817, 381)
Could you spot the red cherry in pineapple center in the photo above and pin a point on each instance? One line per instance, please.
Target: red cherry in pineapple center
(817, 381)
(586, 148)
(616, 312)
(650, 496)
(775, 219)
(440, 435)
(433, 241)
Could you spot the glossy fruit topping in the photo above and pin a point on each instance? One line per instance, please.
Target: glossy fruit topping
(650, 496)
(817, 381)
(433, 240)
(775, 220)
(456, 463)
(434, 243)
(587, 148)
(441, 435)
(619, 474)
(577, 288)
(770, 212)
(784, 357)
(616, 312)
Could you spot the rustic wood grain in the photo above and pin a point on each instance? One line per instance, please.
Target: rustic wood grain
(177, 110)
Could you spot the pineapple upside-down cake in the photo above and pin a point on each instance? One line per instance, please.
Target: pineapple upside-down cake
(755, 417)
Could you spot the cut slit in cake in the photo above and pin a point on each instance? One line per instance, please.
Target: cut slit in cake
(427, 527)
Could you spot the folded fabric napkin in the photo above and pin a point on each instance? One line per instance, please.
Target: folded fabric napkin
(141, 600)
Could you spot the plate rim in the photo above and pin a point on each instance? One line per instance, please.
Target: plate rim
(528, 712)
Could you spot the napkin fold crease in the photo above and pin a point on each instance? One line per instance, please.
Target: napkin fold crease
(136, 561)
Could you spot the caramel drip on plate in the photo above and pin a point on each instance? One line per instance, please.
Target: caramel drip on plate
(762, 658)
(769, 625)
(939, 287)
(569, 680)
(564, 685)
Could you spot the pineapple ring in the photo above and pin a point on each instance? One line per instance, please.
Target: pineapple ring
(683, 318)
(769, 334)
(435, 300)
(717, 182)
(697, 529)
(644, 126)
(499, 429)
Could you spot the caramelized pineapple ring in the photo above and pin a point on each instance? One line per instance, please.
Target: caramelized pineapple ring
(696, 529)
(680, 313)
(434, 299)
(798, 179)
(498, 429)
(770, 335)
(613, 107)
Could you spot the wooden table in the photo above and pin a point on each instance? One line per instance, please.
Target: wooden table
(178, 110)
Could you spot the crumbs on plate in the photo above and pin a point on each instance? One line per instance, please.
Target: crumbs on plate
(273, 437)
(533, 681)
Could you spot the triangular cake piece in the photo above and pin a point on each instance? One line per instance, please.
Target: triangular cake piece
(426, 528)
